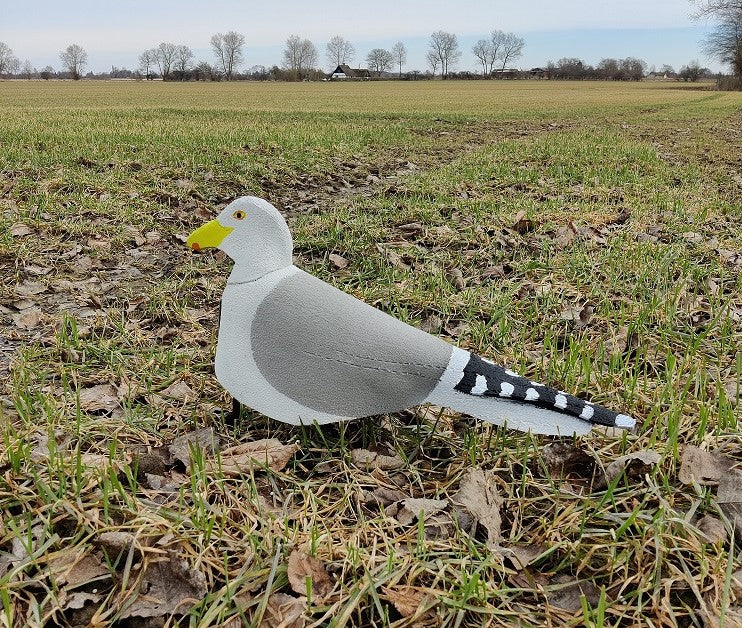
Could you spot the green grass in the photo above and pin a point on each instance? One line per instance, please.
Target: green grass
(634, 202)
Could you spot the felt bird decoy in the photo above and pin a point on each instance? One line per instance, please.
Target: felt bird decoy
(299, 350)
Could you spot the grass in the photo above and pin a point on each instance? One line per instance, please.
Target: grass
(542, 198)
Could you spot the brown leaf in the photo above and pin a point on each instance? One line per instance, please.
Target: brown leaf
(338, 260)
(635, 465)
(115, 543)
(383, 496)
(284, 611)
(729, 496)
(565, 235)
(432, 324)
(73, 568)
(411, 601)
(521, 224)
(300, 568)
(28, 319)
(29, 288)
(703, 467)
(179, 391)
(408, 510)
(204, 439)
(79, 599)
(456, 277)
(479, 495)
(568, 597)
(268, 452)
(169, 586)
(712, 529)
(98, 398)
(411, 228)
(733, 392)
(567, 461)
(580, 315)
(363, 458)
(521, 556)
(19, 230)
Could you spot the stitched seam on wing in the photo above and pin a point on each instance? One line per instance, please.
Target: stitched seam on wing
(366, 357)
(361, 366)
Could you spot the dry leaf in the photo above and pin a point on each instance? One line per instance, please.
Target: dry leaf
(478, 494)
(411, 601)
(635, 465)
(521, 224)
(19, 230)
(729, 496)
(28, 319)
(365, 459)
(74, 568)
(567, 461)
(411, 228)
(338, 260)
(733, 392)
(284, 611)
(98, 398)
(408, 510)
(456, 277)
(712, 528)
(268, 452)
(204, 439)
(179, 391)
(703, 467)
(168, 586)
(115, 543)
(520, 556)
(565, 235)
(79, 599)
(300, 568)
(29, 288)
(383, 496)
(569, 597)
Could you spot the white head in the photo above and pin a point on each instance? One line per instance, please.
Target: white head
(252, 232)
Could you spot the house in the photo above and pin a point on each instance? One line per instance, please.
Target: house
(344, 71)
(538, 73)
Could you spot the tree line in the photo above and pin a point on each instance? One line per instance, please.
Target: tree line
(495, 55)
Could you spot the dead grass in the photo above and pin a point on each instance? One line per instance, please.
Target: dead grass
(589, 238)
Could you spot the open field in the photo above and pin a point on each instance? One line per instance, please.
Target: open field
(586, 234)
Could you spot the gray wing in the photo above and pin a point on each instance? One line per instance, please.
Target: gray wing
(336, 354)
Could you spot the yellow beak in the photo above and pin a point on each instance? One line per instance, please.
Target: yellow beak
(208, 236)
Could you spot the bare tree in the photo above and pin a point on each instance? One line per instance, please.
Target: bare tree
(725, 41)
(482, 50)
(399, 53)
(146, 61)
(46, 72)
(445, 47)
(228, 51)
(379, 60)
(8, 62)
(183, 59)
(28, 70)
(511, 48)
(340, 51)
(165, 57)
(433, 61)
(74, 58)
(299, 55)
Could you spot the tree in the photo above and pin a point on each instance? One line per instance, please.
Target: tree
(510, 49)
(299, 55)
(725, 41)
(482, 51)
(146, 61)
(74, 58)
(228, 51)
(433, 61)
(183, 59)
(379, 60)
(609, 69)
(165, 57)
(691, 72)
(28, 70)
(340, 51)
(633, 69)
(445, 47)
(8, 62)
(46, 72)
(399, 53)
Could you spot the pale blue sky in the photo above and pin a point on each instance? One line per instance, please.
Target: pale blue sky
(115, 32)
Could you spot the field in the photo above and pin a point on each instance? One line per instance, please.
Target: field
(586, 234)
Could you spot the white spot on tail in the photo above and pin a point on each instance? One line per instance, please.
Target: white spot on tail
(625, 421)
(587, 413)
(560, 401)
(532, 394)
(506, 389)
(481, 386)
(511, 373)
(536, 384)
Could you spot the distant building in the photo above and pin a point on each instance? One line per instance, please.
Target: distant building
(538, 73)
(343, 72)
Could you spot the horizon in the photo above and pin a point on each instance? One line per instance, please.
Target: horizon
(662, 33)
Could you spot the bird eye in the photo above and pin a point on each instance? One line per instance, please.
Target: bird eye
(239, 214)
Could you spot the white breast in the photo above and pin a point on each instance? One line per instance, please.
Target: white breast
(235, 367)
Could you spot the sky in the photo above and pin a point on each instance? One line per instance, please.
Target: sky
(115, 32)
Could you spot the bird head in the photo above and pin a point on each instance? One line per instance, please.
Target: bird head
(252, 232)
